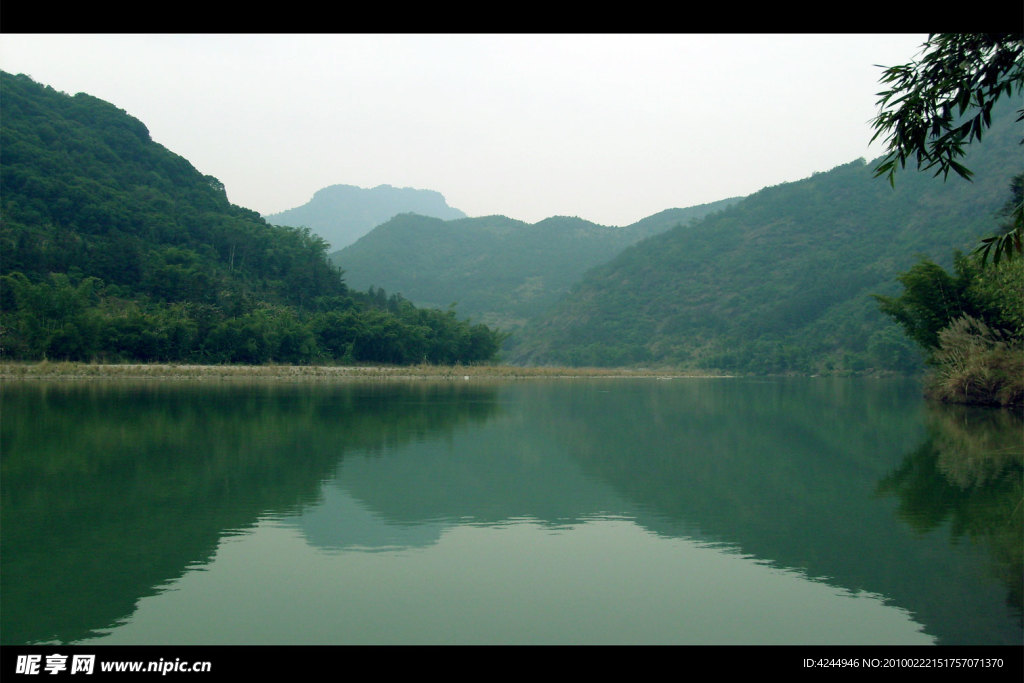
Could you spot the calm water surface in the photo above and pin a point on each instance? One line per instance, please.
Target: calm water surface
(686, 511)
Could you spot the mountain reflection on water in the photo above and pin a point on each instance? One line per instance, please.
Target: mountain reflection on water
(112, 491)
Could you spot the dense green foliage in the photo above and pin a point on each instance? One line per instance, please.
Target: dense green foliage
(970, 325)
(781, 281)
(945, 100)
(933, 298)
(497, 269)
(116, 249)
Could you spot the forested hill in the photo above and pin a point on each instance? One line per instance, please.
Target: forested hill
(782, 280)
(497, 269)
(341, 214)
(114, 248)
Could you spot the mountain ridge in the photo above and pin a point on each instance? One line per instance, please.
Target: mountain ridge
(500, 270)
(117, 249)
(341, 214)
(782, 280)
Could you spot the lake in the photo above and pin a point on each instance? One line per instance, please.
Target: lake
(590, 511)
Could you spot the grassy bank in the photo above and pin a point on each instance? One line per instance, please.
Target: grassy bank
(69, 370)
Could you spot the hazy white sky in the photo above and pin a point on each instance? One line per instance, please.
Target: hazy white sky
(611, 128)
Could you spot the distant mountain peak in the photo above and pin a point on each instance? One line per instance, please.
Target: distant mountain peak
(341, 213)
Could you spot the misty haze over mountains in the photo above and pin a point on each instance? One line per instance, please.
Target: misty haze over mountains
(779, 281)
(161, 266)
(115, 249)
(341, 214)
(500, 271)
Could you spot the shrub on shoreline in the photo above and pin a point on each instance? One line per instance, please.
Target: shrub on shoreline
(976, 364)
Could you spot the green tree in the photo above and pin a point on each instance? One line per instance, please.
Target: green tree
(115, 249)
(942, 101)
(970, 325)
(931, 300)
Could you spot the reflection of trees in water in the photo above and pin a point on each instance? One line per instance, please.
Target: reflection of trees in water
(111, 490)
(970, 473)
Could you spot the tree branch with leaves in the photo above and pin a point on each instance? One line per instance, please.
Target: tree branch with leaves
(943, 101)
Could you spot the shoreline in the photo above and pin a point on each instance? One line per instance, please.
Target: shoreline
(47, 370)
